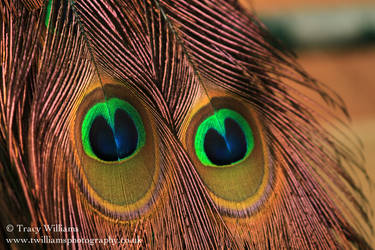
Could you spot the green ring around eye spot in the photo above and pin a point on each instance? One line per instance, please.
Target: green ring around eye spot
(217, 122)
(107, 110)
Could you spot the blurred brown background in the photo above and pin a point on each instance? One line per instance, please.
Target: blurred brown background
(350, 71)
(274, 6)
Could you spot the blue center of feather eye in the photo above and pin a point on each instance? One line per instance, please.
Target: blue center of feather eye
(109, 145)
(227, 149)
(224, 138)
(112, 131)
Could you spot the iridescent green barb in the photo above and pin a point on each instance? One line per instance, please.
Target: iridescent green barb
(48, 14)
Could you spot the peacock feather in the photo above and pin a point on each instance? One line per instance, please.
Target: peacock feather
(175, 122)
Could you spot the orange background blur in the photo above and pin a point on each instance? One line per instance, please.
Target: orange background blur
(350, 72)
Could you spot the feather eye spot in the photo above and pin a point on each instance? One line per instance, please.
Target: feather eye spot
(224, 138)
(116, 151)
(227, 143)
(112, 131)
